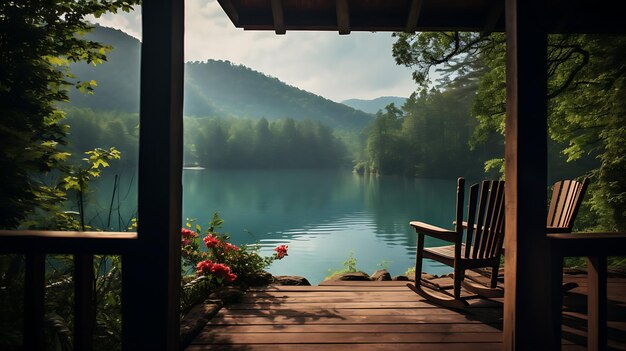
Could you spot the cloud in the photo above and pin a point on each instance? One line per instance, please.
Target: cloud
(337, 67)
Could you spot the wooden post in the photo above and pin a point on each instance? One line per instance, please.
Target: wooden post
(528, 320)
(151, 275)
(596, 303)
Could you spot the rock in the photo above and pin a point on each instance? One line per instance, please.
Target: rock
(428, 276)
(194, 320)
(403, 278)
(228, 294)
(351, 276)
(290, 280)
(381, 274)
(425, 275)
(262, 278)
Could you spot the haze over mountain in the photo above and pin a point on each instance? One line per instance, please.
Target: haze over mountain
(212, 88)
(373, 105)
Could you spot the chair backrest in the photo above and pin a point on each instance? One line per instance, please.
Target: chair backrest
(485, 219)
(567, 195)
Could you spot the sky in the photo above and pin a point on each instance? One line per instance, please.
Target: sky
(337, 67)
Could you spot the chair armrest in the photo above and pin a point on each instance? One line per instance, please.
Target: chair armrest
(464, 224)
(434, 231)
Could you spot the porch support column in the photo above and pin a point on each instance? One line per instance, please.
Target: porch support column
(151, 273)
(528, 274)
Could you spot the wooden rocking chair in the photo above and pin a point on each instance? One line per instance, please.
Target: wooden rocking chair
(481, 247)
(567, 196)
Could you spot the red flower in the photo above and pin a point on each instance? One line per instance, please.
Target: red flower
(204, 267)
(281, 251)
(229, 247)
(223, 271)
(219, 270)
(188, 234)
(186, 242)
(211, 242)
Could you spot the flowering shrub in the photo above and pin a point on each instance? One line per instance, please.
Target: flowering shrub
(223, 262)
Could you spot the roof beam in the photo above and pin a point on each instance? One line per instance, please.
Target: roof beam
(414, 15)
(343, 17)
(279, 18)
(230, 10)
(495, 13)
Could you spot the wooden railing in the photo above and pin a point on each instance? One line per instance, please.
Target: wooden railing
(34, 245)
(596, 247)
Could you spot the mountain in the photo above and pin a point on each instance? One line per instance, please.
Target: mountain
(212, 88)
(372, 106)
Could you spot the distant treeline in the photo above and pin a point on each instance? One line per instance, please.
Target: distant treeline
(244, 143)
(215, 142)
(429, 136)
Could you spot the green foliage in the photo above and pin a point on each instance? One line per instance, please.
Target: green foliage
(409, 271)
(38, 40)
(428, 137)
(97, 160)
(59, 299)
(586, 104)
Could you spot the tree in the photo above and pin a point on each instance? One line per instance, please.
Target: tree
(39, 39)
(586, 119)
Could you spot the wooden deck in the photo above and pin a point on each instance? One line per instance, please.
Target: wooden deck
(384, 316)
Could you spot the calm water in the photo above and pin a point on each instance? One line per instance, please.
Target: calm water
(322, 215)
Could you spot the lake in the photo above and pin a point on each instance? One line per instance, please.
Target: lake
(322, 215)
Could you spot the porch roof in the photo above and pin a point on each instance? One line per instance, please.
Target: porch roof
(563, 16)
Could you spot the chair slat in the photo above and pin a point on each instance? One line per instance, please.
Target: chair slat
(567, 196)
(494, 228)
(560, 206)
(556, 193)
(484, 193)
(567, 218)
(471, 217)
(489, 215)
(460, 199)
(568, 203)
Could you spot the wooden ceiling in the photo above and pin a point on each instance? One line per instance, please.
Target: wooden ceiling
(344, 16)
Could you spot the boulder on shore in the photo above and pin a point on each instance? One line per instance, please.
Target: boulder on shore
(262, 278)
(350, 276)
(381, 274)
(290, 280)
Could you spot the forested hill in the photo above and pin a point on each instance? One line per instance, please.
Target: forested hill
(212, 88)
(374, 105)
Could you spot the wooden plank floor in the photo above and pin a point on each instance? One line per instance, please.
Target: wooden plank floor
(383, 316)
